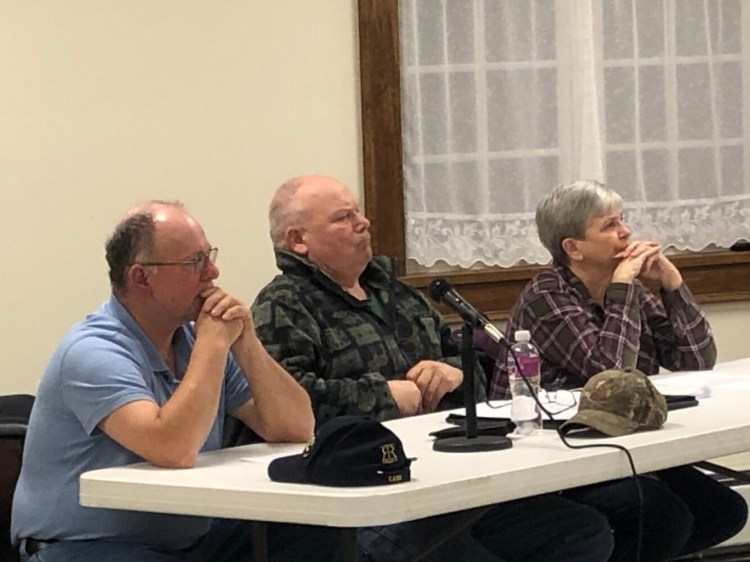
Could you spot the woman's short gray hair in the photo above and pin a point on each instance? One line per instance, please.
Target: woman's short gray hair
(565, 212)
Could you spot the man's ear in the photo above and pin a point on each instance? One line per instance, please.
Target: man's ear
(570, 247)
(295, 240)
(137, 279)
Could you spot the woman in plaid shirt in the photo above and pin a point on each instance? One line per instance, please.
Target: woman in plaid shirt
(589, 312)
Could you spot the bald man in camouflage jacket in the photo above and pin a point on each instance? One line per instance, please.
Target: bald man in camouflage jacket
(361, 342)
(357, 339)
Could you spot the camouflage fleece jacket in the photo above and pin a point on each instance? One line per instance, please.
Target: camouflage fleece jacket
(339, 350)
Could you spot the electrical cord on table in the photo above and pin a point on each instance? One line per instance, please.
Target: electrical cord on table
(563, 438)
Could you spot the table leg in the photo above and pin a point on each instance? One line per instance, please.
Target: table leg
(349, 544)
(260, 541)
(723, 471)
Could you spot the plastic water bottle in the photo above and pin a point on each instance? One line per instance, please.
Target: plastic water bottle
(524, 411)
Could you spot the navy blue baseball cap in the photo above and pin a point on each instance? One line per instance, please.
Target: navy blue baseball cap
(346, 451)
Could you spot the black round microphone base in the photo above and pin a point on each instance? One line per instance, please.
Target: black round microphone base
(472, 445)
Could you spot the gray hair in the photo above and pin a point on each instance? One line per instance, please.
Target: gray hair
(132, 241)
(282, 212)
(565, 212)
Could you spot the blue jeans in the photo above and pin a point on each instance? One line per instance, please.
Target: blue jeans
(684, 511)
(227, 541)
(546, 528)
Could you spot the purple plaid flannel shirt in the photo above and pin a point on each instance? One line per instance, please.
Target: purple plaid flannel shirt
(578, 338)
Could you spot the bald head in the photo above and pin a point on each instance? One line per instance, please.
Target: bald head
(134, 237)
(281, 211)
(291, 203)
(319, 218)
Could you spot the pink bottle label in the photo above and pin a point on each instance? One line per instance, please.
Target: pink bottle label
(528, 363)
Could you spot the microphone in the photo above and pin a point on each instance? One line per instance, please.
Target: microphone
(440, 290)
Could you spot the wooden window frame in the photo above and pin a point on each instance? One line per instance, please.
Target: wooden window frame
(721, 276)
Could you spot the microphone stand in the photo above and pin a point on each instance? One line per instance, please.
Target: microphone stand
(472, 442)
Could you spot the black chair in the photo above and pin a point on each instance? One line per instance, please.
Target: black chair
(14, 419)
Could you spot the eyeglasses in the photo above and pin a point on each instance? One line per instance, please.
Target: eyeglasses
(560, 400)
(199, 262)
(554, 401)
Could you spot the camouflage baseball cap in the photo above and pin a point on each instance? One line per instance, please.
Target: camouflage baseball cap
(617, 402)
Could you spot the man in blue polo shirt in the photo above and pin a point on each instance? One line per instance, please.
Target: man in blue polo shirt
(150, 376)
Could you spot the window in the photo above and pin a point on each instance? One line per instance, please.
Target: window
(712, 277)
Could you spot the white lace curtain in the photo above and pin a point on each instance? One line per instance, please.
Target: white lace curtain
(505, 99)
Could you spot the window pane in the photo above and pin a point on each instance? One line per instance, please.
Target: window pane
(522, 109)
(697, 173)
(517, 184)
(732, 170)
(652, 100)
(433, 109)
(704, 27)
(414, 197)
(729, 77)
(690, 28)
(728, 14)
(656, 175)
(519, 31)
(460, 38)
(430, 33)
(619, 84)
(463, 112)
(448, 184)
(410, 120)
(694, 102)
(457, 133)
(618, 25)
(621, 174)
(407, 46)
(650, 25)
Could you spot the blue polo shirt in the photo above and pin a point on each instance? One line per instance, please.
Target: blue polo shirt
(102, 363)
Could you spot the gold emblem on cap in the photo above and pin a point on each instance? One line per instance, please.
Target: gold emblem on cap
(309, 446)
(388, 452)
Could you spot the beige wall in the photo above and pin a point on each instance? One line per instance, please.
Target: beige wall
(105, 103)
